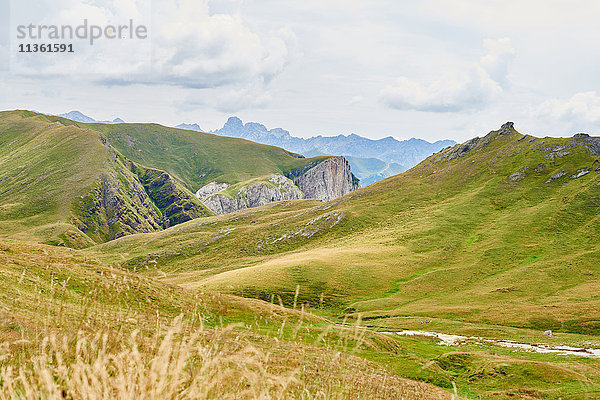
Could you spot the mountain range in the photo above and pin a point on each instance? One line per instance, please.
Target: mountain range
(371, 160)
(78, 116)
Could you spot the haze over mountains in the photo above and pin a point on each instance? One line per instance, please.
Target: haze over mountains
(370, 160)
(81, 117)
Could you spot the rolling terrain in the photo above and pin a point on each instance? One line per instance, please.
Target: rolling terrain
(77, 184)
(496, 238)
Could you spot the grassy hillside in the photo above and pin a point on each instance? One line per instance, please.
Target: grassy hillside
(196, 158)
(78, 184)
(72, 327)
(493, 238)
(44, 168)
(450, 238)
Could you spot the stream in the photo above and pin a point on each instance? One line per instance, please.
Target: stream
(451, 340)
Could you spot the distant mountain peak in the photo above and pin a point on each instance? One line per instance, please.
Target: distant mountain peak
(78, 116)
(190, 127)
(394, 155)
(233, 122)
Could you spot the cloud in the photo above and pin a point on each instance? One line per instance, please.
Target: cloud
(582, 108)
(456, 91)
(193, 48)
(229, 99)
(496, 61)
(188, 46)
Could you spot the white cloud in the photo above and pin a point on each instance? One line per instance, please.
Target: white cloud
(496, 61)
(193, 48)
(187, 45)
(228, 99)
(581, 108)
(455, 91)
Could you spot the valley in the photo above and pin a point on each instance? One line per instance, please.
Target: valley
(494, 239)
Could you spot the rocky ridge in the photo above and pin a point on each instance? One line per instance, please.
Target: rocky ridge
(322, 180)
(274, 188)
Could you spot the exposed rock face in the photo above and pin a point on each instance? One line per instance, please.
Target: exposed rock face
(327, 180)
(556, 176)
(519, 175)
(176, 204)
(129, 198)
(277, 188)
(476, 143)
(324, 180)
(580, 173)
(208, 190)
(589, 142)
(117, 206)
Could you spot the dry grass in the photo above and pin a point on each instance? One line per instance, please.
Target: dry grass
(192, 363)
(71, 327)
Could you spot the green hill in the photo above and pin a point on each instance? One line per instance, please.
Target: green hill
(495, 238)
(484, 223)
(196, 158)
(77, 184)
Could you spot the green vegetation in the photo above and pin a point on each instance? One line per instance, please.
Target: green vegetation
(458, 241)
(78, 184)
(488, 242)
(196, 158)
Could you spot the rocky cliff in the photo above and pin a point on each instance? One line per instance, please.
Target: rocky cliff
(258, 193)
(322, 180)
(117, 206)
(128, 198)
(176, 204)
(327, 180)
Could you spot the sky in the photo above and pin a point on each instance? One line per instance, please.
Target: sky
(432, 69)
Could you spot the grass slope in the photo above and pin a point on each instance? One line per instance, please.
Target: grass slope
(196, 158)
(484, 244)
(44, 168)
(72, 327)
(451, 239)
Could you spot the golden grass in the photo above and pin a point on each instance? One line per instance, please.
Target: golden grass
(193, 364)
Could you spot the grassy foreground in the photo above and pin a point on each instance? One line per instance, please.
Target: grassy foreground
(72, 327)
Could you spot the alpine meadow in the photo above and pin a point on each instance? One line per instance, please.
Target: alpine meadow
(428, 227)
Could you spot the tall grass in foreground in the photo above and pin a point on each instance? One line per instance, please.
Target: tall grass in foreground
(189, 363)
(182, 366)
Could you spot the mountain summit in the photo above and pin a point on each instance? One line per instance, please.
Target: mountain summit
(370, 160)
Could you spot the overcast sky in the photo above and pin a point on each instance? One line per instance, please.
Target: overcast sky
(431, 69)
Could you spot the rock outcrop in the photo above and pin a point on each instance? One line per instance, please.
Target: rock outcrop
(476, 143)
(327, 180)
(117, 206)
(274, 188)
(129, 198)
(323, 180)
(176, 204)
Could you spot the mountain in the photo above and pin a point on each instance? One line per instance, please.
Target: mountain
(400, 155)
(190, 127)
(494, 239)
(507, 218)
(474, 273)
(62, 184)
(371, 170)
(80, 117)
(76, 184)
